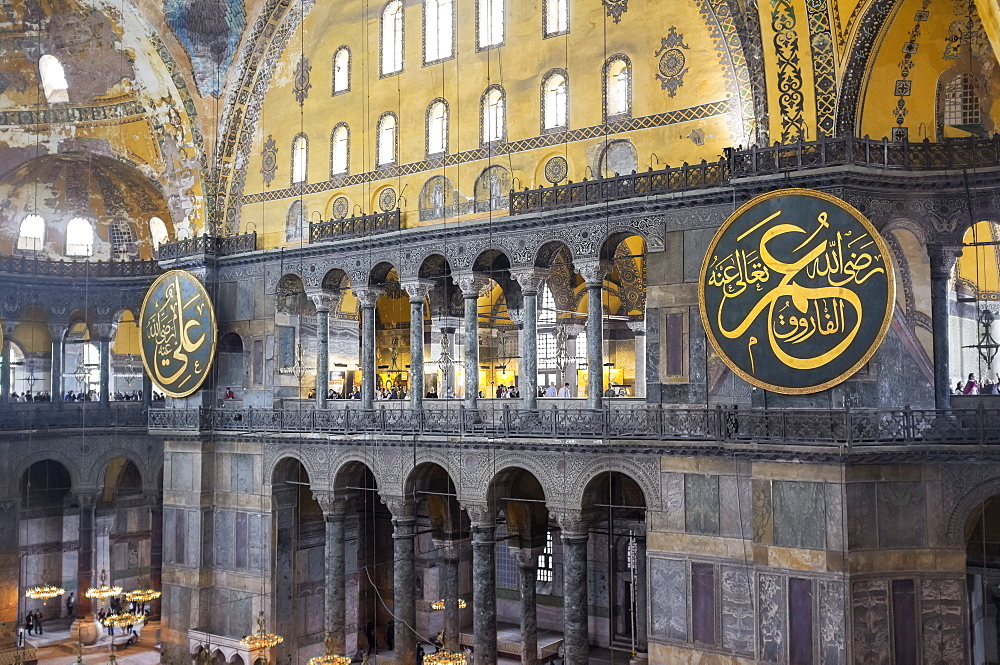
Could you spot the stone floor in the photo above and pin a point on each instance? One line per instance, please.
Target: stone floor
(54, 647)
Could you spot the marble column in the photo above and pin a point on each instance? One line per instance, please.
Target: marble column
(155, 502)
(85, 553)
(58, 333)
(417, 290)
(593, 272)
(10, 566)
(471, 284)
(324, 302)
(484, 594)
(5, 369)
(334, 511)
(449, 580)
(147, 390)
(531, 280)
(403, 589)
(367, 297)
(942, 260)
(105, 333)
(575, 535)
(641, 594)
(638, 329)
(527, 568)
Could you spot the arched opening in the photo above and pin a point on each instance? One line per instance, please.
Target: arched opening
(392, 37)
(126, 362)
(982, 556)
(232, 368)
(624, 307)
(79, 237)
(342, 70)
(300, 154)
(157, 232)
(562, 336)
(123, 543)
(437, 199)
(123, 240)
(45, 489)
(618, 158)
(437, 128)
(31, 235)
(555, 101)
(294, 339)
(386, 138)
(975, 321)
(617, 87)
(494, 122)
(53, 77)
(340, 150)
(81, 363)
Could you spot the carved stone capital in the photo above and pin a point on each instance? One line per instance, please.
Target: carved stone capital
(368, 295)
(324, 300)
(401, 507)
(331, 503)
(471, 283)
(105, 331)
(86, 499)
(574, 523)
(57, 331)
(530, 279)
(481, 514)
(593, 271)
(417, 289)
(942, 259)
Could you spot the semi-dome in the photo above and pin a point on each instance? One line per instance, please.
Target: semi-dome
(79, 206)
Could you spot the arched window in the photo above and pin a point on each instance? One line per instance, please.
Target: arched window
(157, 232)
(300, 152)
(617, 87)
(31, 236)
(556, 17)
(340, 145)
(555, 101)
(79, 237)
(960, 100)
(439, 20)
(492, 189)
(489, 23)
(547, 311)
(122, 240)
(53, 79)
(295, 222)
(386, 136)
(437, 127)
(392, 38)
(342, 70)
(494, 122)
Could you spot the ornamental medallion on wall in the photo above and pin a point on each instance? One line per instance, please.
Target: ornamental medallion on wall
(672, 66)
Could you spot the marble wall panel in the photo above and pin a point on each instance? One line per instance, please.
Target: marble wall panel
(763, 512)
(225, 535)
(701, 504)
(246, 295)
(902, 514)
(734, 507)
(241, 473)
(182, 472)
(799, 514)
(672, 485)
(772, 618)
(941, 616)
(835, 517)
(832, 623)
(668, 599)
(870, 605)
(737, 609)
(862, 520)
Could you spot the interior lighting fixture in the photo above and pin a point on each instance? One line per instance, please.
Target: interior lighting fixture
(440, 605)
(444, 657)
(103, 591)
(44, 592)
(261, 640)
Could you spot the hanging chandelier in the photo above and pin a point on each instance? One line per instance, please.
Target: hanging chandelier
(142, 595)
(444, 657)
(562, 358)
(330, 659)
(123, 619)
(103, 591)
(440, 604)
(44, 592)
(262, 639)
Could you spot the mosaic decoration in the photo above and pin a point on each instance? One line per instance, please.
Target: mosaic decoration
(179, 333)
(556, 170)
(824, 66)
(672, 67)
(387, 199)
(269, 160)
(341, 207)
(786, 47)
(856, 68)
(904, 86)
(209, 31)
(616, 8)
(302, 84)
(733, 49)
(479, 154)
(796, 291)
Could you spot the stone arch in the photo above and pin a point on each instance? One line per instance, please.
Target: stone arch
(379, 274)
(97, 468)
(286, 462)
(431, 488)
(290, 295)
(77, 480)
(965, 507)
(646, 476)
(46, 480)
(547, 253)
(350, 472)
(335, 279)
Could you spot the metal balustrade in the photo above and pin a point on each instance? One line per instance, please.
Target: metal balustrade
(354, 227)
(216, 245)
(24, 265)
(72, 415)
(634, 422)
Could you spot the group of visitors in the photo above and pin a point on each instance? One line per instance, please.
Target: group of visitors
(550, 391)
(27, 396)
(507, 392)
(133, 396)
(33, 623)
(972, 387)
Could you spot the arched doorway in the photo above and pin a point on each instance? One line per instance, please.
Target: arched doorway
(44, 488)
(123, 525)
(232, 372)
(982, 555)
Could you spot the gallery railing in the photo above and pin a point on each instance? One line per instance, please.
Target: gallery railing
(70, 415)
(24, 265)
(354, 227)
(850, 428)
(217, 245)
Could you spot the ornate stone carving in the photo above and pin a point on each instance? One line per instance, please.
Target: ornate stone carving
(471, 283)
(593, 271)
(324, 301)
(401, 507)
(417, 289)
(367, 295)
(574, 523)
(480, 514)
(530, 279)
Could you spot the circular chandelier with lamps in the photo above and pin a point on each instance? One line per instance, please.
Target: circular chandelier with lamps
(444, 657)
(440, 604)
(330, 659)
(262, 639)
(123, 619)
(142, 595)
(44, 592)
(103, 591)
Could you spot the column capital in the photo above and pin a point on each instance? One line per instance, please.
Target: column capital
(324, 300)
(637, 327)
(593, 271)
(481, 514)
(105, 331)
(368, 295)
(401, 507)
(942, 259)
(86, 499)
(332, 504)
(471, 283)
(574, 523)
(530, 279)
(417, 289)
(57, 330)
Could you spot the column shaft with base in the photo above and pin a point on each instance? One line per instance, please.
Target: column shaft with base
(417, 290)
(106, 333)
(335, 583)
(942, 261)
(531, 281)
(527, 568)
(325, 302)
(484, 593)
(470, 285)
(403, 601)
(367, 297)
(55, 373)
(451, 618)
(593, 272)
(576, 611)
(5, 369)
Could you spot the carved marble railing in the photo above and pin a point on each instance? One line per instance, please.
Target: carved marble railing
(69, 415)
(24, 265)
(883, 154)
(851, 428)
(354, 227)
(216, 245)
(617, 188)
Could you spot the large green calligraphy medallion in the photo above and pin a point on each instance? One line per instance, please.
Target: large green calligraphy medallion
(796, 291)
(178, 331)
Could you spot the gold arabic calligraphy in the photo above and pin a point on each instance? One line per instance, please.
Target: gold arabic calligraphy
(169, 328)
(810, 296)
